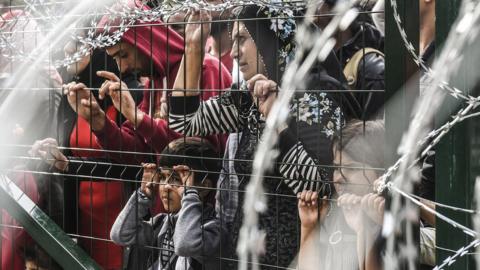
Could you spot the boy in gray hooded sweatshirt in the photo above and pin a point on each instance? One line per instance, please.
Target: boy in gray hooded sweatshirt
(187, 236)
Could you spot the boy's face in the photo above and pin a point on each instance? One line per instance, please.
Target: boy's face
(31, 265)
(170, 191)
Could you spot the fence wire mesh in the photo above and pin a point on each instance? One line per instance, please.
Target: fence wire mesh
(150, 132)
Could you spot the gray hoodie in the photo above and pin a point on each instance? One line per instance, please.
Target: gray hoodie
(196, 234)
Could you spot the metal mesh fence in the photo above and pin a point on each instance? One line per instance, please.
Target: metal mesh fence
(134, 127)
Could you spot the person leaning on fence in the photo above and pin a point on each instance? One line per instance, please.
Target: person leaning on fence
(243, 110)
(357, 216)
(186, 236)
(153, 50)
(75, 135)
(348, 231)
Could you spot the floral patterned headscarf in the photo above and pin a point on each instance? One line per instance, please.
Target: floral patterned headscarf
(273, 29)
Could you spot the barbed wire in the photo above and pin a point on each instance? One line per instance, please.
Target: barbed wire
(448, 220)
(460, 253)
(454, 92)
(463, 33)
(251, 237)
(434, 138)
(125, 16)
(453, 208)
(93, 40)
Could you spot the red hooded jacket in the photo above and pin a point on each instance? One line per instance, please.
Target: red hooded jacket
(165, 48)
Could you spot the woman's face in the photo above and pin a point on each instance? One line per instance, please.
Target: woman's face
(351, 176)
(245, 52)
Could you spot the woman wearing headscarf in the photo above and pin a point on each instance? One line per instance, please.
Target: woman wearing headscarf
(262, 48)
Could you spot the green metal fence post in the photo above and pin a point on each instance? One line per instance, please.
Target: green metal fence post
(457, 155)
(402, 84)
(42, 229)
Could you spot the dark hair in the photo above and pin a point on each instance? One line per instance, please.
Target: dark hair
(196, 153)
(363, 142)
(99, 60)
(37, 255)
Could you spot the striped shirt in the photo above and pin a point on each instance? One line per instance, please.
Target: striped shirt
(230, 113)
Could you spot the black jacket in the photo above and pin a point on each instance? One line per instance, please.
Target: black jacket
(371, 71)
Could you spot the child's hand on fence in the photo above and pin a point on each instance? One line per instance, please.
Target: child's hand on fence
(264, 92)
(196, 34)
(185, 174)
(47, 149)
(374, 206)
(150, 180)
(121, 97)
(84, 104)
(310, 210)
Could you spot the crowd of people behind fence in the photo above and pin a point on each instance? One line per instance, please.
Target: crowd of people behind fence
(152, 142)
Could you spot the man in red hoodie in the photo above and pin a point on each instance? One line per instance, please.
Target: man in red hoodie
(151, 50)
(154, 51)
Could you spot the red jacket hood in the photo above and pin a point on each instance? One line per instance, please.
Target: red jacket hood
(153, 39)
(159, 43)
